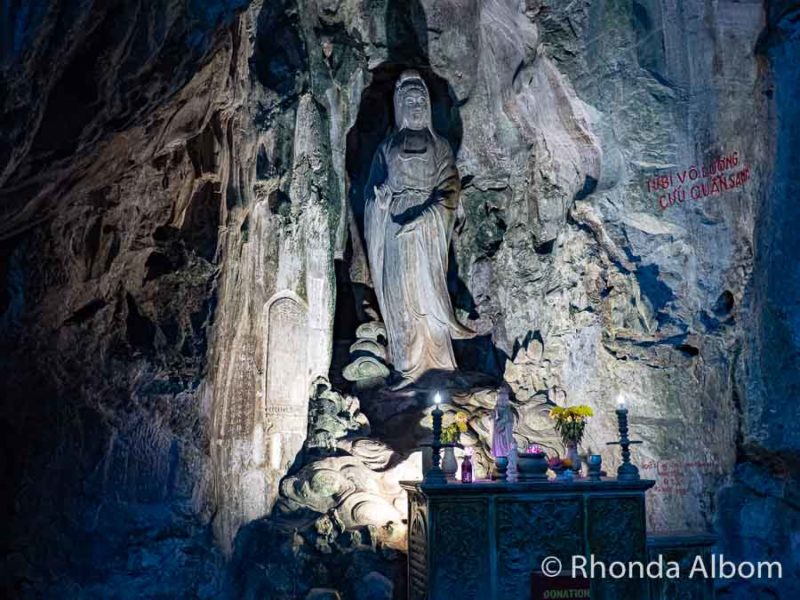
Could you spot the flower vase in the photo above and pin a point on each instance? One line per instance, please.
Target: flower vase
(573, 456)
(449, 463)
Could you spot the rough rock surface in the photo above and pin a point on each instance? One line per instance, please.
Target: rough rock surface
(180, 212)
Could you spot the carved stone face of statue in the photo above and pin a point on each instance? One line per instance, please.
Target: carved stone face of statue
(412, 103)
(414, 109)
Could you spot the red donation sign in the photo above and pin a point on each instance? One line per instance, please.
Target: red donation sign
(558, 588)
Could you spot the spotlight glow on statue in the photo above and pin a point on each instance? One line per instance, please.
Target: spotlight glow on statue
(411, 207)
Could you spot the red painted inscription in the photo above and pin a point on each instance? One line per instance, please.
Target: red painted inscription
(724, 174)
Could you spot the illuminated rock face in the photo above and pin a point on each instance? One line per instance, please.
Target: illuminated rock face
(181, 211)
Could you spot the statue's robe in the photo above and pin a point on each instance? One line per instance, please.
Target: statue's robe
(407, 245)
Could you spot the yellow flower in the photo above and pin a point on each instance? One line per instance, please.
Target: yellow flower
(571, 414)
(461, 417)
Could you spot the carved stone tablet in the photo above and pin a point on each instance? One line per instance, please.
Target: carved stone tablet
(287, 373)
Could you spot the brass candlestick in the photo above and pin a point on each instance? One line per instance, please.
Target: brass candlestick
(435, 473)
(627, 470)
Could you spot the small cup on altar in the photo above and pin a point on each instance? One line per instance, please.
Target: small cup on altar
(501, 468)
(594, 463)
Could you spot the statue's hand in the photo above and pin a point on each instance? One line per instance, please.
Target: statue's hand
(411, 224)
(407, 227)
(383, 196)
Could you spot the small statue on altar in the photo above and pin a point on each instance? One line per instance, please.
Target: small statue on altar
(503, 443)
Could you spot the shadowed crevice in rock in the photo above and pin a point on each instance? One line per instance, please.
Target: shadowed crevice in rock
(407, 33)
(86, 312)
(201, 222)
(279, 60)
(767, 374)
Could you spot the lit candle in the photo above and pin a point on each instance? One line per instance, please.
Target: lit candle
(435, 474)
(627, 470)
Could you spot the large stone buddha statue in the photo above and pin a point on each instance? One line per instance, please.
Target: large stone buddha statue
(411, 206)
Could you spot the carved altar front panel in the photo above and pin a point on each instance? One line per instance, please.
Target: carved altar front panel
(617, 533)
(417, 547)
(527, 532)
(460, 565)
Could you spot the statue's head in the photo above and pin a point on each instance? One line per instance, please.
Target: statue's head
(412, 103)
(504, 395)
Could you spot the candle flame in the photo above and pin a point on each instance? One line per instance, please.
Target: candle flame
(437, 398)
(620, 400)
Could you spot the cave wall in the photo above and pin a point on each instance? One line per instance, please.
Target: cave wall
(757, 514)
(114, 125)
(175, 186)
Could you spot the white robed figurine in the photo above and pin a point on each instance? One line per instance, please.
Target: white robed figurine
(412, 203)
(503, 442)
